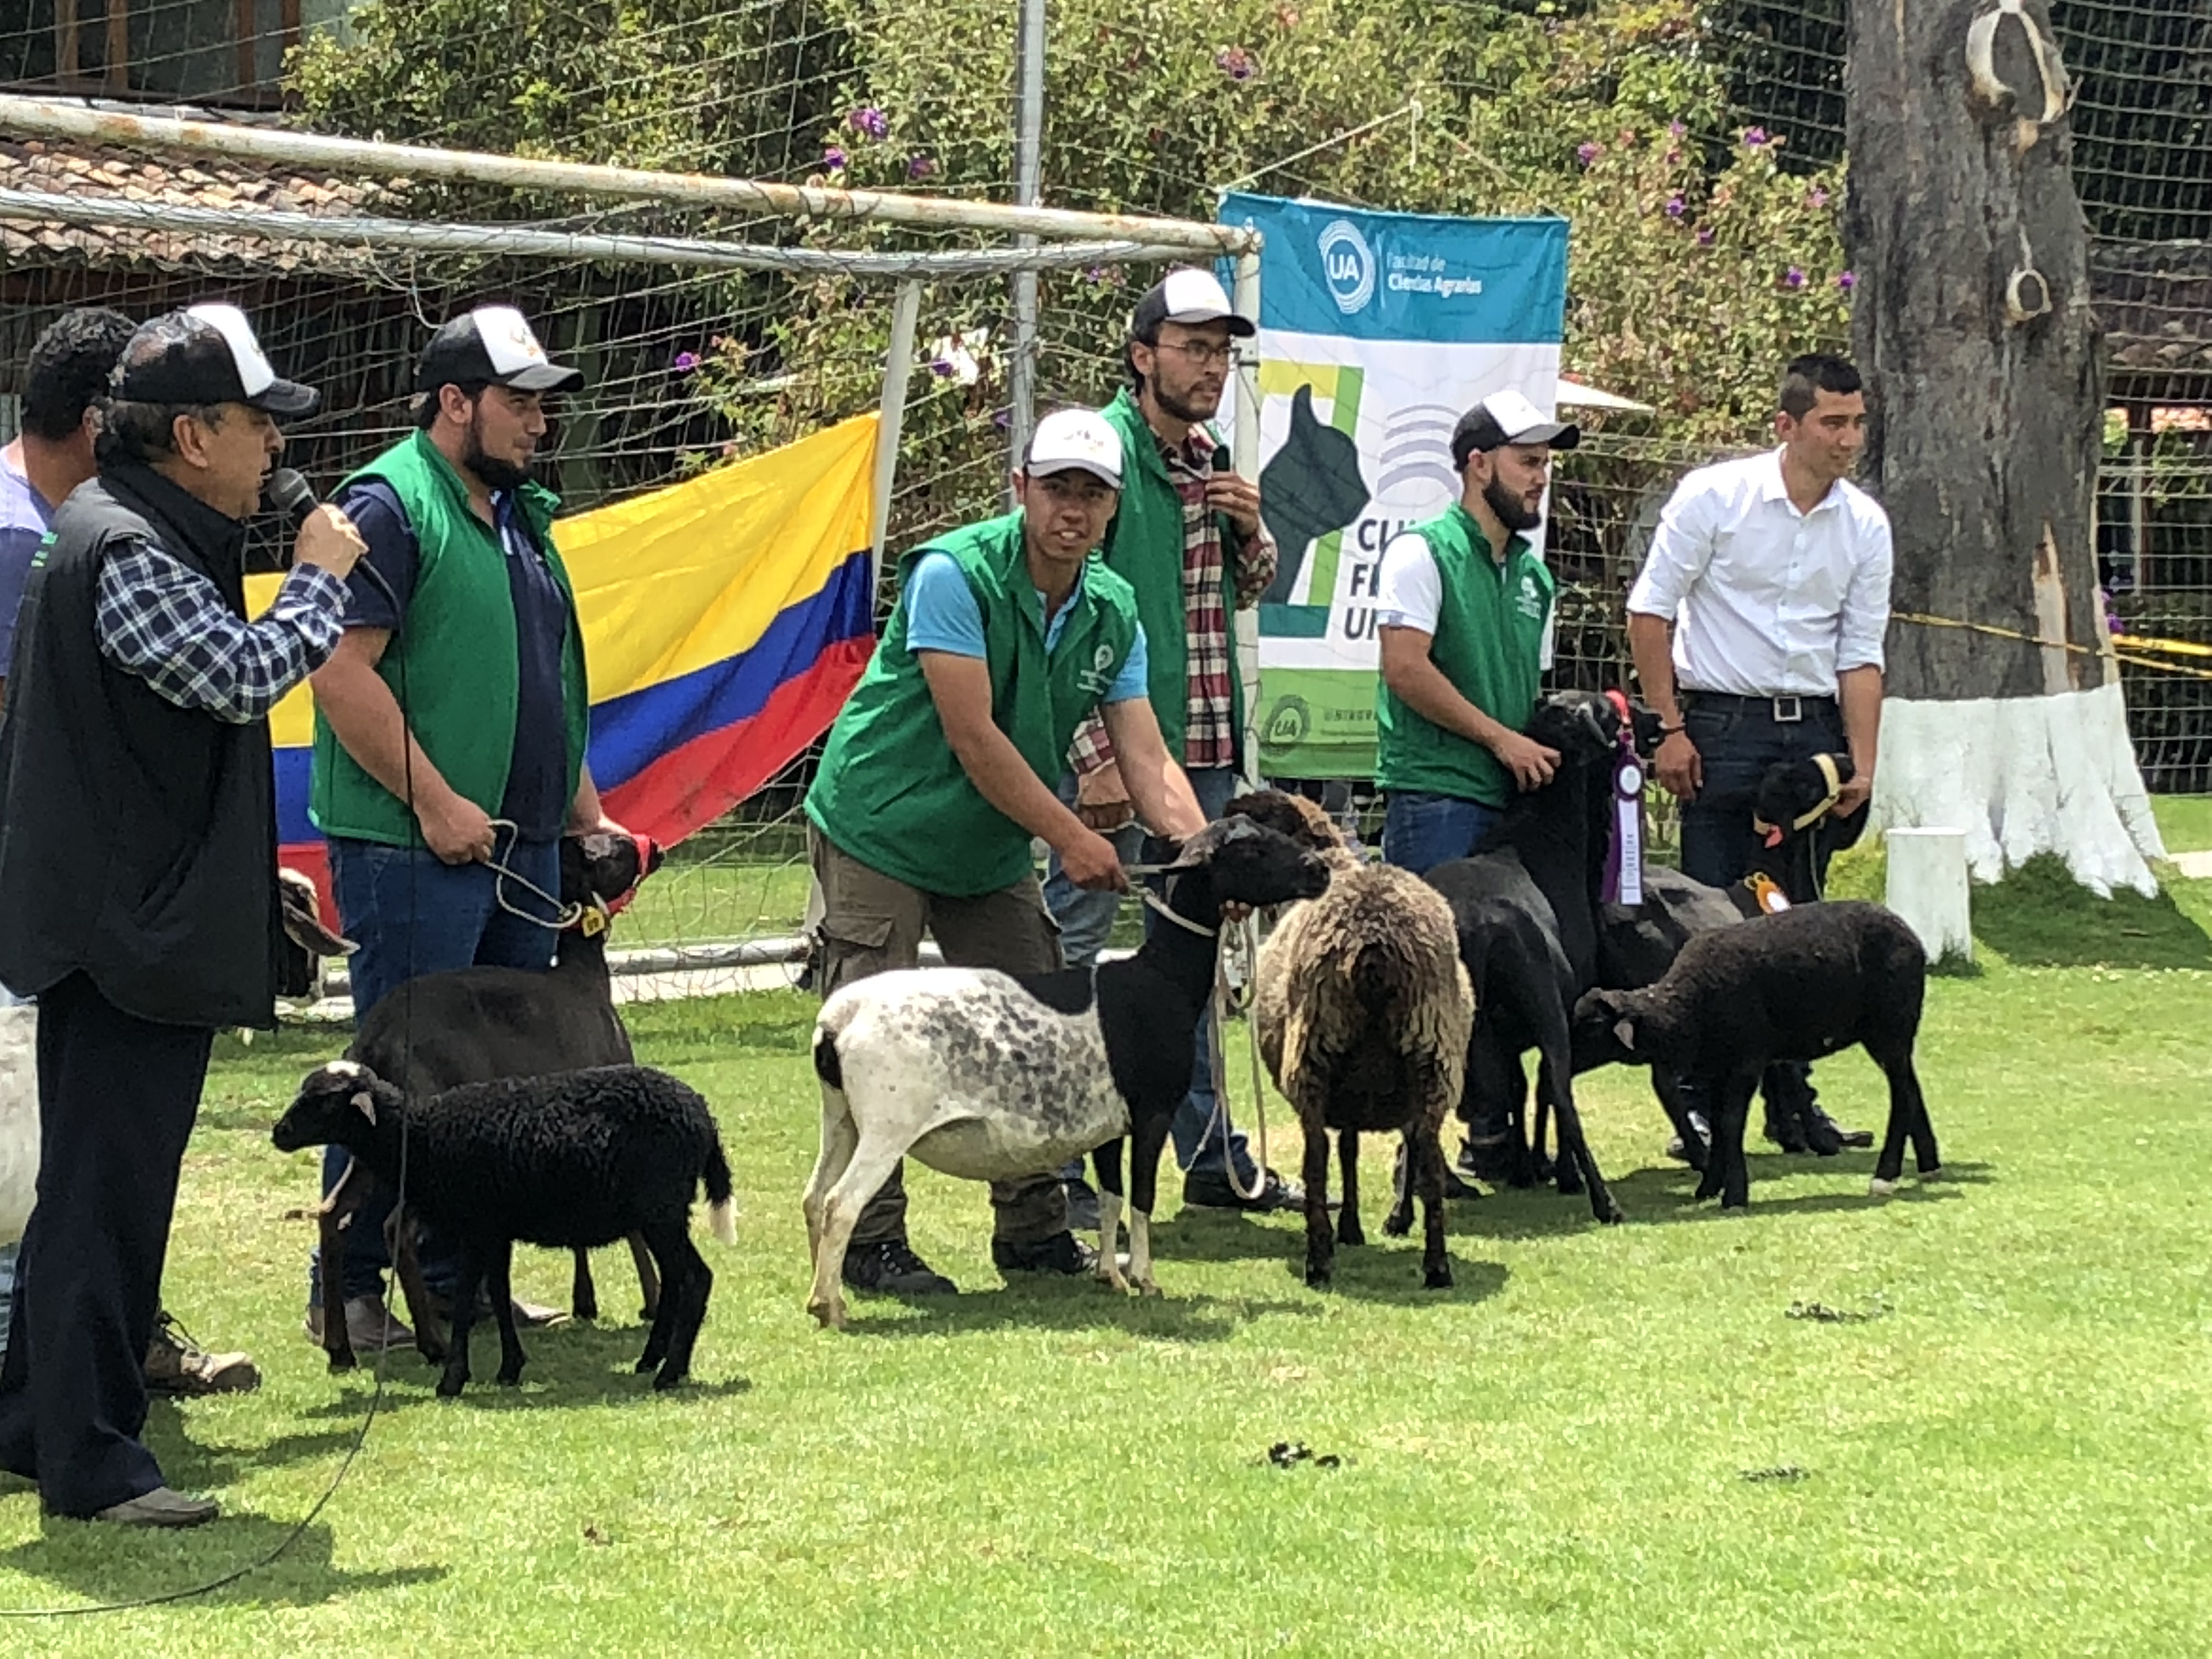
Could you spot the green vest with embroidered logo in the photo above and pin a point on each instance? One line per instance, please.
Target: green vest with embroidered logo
(454, 663)
(890, 790)
(1489, 643)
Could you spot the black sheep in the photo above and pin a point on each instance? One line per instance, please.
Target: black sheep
(574, 1159)
(1797, 985)
(1525, 908)
(1637, 946)
(437, 1031)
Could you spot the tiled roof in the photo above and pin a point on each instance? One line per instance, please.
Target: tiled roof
(2154, 299)
(82, 173)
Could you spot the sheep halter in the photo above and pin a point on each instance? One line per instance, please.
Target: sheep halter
(565, 916)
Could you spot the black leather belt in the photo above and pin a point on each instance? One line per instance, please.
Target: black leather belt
(1783, 711)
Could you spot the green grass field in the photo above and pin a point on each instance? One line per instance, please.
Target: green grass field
(1601, 1441)
(2183, 821)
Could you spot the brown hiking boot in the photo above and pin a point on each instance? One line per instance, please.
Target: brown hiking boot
(177, 1364)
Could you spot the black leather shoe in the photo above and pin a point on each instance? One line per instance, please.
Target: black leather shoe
(889, 1267)
(1675, 1149)
(1063, 1253)
(1210, 1189)
(1487, 1158)
(1454, 1187)
(1814, 1131)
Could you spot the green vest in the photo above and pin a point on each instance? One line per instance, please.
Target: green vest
(1489, 643)
(1144, 547)
(891, 792)
(453, 663)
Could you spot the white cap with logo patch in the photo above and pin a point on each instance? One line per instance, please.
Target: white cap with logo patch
(1075, 440)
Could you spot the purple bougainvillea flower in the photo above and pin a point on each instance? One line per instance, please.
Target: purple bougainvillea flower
(1236, 63)
(1675, 129)
(685, 361)
(1095, 275)
(1754, 136)
(833, 158)
(922, 167)
(1793, 278)
(1817, 197)
(870, 121)
(1588, 151)
(1847, 280)
(1676, 207)
(1706, 237)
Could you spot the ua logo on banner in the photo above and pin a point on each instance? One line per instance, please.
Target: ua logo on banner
(1348, 265)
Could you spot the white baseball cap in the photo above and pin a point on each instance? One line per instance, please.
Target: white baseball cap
(1075, 439)
(1508, 418)
(492, 345)
(1187, 294)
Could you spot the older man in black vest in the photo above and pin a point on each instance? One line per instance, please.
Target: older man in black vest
(137, 868)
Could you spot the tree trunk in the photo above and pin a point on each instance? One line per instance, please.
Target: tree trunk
(1972, 321)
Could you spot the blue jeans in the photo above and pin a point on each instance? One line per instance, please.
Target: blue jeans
(412, 914)
(8, 1253)
(1421, 831)
(1086, 918)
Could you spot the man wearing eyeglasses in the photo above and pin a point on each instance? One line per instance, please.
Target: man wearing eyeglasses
(1188, 539)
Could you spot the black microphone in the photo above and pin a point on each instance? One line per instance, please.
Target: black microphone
(289, 493)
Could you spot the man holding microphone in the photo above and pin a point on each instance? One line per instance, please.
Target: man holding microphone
(137, 864)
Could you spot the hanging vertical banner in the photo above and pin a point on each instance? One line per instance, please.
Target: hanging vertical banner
(1376, 331)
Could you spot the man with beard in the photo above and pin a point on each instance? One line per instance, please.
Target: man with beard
(474, 626)
(1461, 604)
(1188, 539)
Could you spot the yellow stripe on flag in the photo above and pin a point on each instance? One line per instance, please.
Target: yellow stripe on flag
(674, 580)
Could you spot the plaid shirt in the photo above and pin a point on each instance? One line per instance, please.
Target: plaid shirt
(171, 626)
(1210, 707)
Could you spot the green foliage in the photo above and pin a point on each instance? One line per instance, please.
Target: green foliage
(1696, 265)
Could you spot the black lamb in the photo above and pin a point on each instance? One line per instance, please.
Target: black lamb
(437, 1031)
(1791, 809)
(573, 1160)
(1797, 985)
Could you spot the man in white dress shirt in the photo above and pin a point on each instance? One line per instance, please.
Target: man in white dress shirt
(1756, 627)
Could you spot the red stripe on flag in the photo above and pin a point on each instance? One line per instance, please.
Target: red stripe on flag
(689, 787)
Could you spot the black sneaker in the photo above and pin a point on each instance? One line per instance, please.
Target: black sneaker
(1211, 1189)
(1063, 1253)
(1082, 1206)
(889, 1267)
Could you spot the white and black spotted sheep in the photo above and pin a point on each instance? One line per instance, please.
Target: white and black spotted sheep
(992, 1075)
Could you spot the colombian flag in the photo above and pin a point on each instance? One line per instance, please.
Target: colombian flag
(724, 621)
